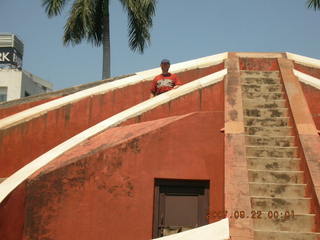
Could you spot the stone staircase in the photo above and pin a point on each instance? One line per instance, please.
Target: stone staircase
(277, 189)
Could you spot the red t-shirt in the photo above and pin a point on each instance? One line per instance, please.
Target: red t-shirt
(163, 83)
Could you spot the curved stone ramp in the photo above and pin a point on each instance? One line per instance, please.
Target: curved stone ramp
(306, 61)
(21, 104)
(307, 79)
(45, 126)
(147, 75)
(21, 175)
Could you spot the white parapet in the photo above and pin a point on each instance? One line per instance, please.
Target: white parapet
(214, 231)
(307, 79)
(310, 62)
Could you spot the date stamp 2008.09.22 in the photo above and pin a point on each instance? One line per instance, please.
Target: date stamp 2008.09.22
(240, 214)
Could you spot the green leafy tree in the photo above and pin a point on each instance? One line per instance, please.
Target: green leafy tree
(313, 4)
(89, 20)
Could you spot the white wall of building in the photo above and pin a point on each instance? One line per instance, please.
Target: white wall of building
(11, 78)
(21, 83)
(32, 85)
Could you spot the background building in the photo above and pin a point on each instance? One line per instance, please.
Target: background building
(14, 81)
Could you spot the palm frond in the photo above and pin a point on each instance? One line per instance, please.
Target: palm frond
(140, 13)
(80, 22)
(95, 34)
(315, 4)
(53, 7)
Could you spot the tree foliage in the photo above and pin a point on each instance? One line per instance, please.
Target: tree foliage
(85, 21)
(315, 4)
(89, 20)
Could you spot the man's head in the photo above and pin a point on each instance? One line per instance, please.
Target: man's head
(165, 65)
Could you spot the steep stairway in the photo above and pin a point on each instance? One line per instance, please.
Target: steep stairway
(280, 209)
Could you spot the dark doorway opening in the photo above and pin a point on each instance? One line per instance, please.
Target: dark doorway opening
(180, 205)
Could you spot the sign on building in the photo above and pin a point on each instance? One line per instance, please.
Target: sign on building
(9, 55)
(11, 50)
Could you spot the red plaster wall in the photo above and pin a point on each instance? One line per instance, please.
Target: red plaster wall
(315, 72)
(22, 143)
(312, 96)
(12, 215)
(304, 141)
(207, 99)
(259, 64)
(104, 188)
(7, 111)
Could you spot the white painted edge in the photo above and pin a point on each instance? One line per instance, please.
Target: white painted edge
(106, 87)
(22, 174)
(307, 79)
(312, 62)
(213, 231)
(259, 54)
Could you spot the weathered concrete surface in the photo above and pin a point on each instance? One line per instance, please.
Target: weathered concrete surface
(103, 189)
(262, 235)
(235, 158)
(260, 64)
(276, 186)
(308, 136)
(12, 213)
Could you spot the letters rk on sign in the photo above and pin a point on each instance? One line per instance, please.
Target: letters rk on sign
(10, 56)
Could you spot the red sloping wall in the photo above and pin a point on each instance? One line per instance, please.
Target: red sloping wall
(104, 188)
(312, 96)
(315, 72)
(22, 143)
(7, 111)
(12, 211)
(259, 64)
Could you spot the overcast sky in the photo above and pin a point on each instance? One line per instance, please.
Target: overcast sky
(182, 30)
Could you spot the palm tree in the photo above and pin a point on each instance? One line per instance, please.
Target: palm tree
(313, 4)
(89, 19)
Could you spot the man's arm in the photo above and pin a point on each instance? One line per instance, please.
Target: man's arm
(153, 88)
(177, 82)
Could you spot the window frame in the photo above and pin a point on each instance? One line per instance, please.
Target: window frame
(161, 184)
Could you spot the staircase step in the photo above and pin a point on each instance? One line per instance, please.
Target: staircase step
(266, 96)
(260, 74)
(272, 131)
(260, 81)
(296, 223)
(266, 113)
(260, 103)
(282, 141)
(277, 190)
(274, 163)
(273, 152)
(264, 88)
(264, 176)
(284, 206)
(266, 122)
(282, 235)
